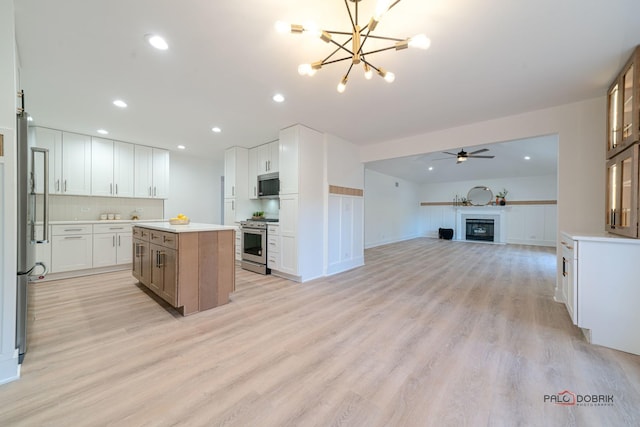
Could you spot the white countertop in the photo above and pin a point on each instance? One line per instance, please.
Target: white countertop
(186, 228)
(602, 236)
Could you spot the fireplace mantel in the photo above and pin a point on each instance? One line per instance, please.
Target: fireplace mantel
(497, 213)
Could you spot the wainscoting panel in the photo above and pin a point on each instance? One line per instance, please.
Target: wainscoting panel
(345, 233)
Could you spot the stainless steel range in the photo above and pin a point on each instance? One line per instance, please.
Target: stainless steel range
(254, 245)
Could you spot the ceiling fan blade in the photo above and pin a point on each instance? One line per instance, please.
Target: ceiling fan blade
(479, 151)
(442, 158)
(453, 154)
(481, 157)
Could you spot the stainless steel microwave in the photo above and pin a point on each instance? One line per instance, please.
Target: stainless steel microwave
(269, 185)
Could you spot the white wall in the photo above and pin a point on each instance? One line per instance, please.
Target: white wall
(8, 354)
(195, 188)
(581, 130)
(392, 212)
(521, 188)
(345, 214)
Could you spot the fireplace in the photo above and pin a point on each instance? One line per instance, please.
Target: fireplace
(480, 229)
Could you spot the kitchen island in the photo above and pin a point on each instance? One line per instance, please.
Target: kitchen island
(191, 266)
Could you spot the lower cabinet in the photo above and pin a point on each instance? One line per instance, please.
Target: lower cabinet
(164, 269)
(192, 271)
(71, 247)
(600, 288)
(111, 244)
(273, 247)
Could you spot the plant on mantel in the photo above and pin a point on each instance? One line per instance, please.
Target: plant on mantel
(501, 197)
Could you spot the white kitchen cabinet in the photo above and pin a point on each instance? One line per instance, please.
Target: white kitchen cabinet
(238, 248)
(112, 244)
(76, 164)
(151, 167)
(71, 247)
(601, 288)
(160, 168)
(302, 207)
(252, 168)
(112, 168)
(50, 139)
(273, 247)
(237, 204)
(288, 226)
(268, 157)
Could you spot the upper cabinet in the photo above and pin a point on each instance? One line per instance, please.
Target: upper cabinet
(623, 101)
(263, 159)
(268, 156)
(622, 193)
(112, 168)
(69, 162)
(151, 166)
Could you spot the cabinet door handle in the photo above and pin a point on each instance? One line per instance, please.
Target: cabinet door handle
(116, 228)
(65, 185)
(114, 241)
(73, 229)
(255, 191)
(155, 193)
(233, 205)
(111, 188)
(73, 237)
(233, 190)
(149, 191)
(57, 185)
(116, 189)
(564, 266)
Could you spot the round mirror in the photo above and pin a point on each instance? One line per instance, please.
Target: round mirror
(480, 196)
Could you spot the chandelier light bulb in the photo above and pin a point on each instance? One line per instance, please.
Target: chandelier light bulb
(304, 69)
(367, 72)
(420, 41)
(312, 29)
(389, 77)
(342, 85)
(282, 27)
(381, 8)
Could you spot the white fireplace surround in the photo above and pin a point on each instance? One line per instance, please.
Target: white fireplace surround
(480, 212)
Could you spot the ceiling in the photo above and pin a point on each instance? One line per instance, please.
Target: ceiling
(487, 59)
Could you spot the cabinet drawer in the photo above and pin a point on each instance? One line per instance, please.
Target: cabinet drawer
(168, 240)
(141, 233)
(65, 230)
(273, 259)
(273, 229)
(273, 244)
(111, 228)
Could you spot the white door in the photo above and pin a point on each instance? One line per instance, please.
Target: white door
(104, 249)
(76, 164)
(123, 169)
(160, 174)
(102, 167)
(143, 161)
(124, 244)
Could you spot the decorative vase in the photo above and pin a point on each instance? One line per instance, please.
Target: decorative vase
(503, 202)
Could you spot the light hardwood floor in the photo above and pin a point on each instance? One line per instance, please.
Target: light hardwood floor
(429, 332)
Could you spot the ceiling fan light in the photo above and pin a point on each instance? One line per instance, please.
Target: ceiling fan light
(420, 41)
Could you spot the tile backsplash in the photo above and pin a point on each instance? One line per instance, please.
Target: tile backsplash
(72, 208)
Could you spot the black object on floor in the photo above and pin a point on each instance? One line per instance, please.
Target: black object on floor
(445, 233)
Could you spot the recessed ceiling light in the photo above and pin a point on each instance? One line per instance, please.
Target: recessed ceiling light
(430, 168)
(527, 158)
(278, 97)
(120, 103)
(182, 147)
(102, 132)
(216, 129)
(157, 42)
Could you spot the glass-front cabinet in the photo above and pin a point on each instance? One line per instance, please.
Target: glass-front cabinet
(622, 193)
(623, 101)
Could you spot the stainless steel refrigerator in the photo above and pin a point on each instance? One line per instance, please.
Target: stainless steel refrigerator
(28, 204)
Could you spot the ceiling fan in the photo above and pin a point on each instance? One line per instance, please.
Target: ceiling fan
(462, 156)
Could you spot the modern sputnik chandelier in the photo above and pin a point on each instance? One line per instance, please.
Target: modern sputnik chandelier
(357, 38)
